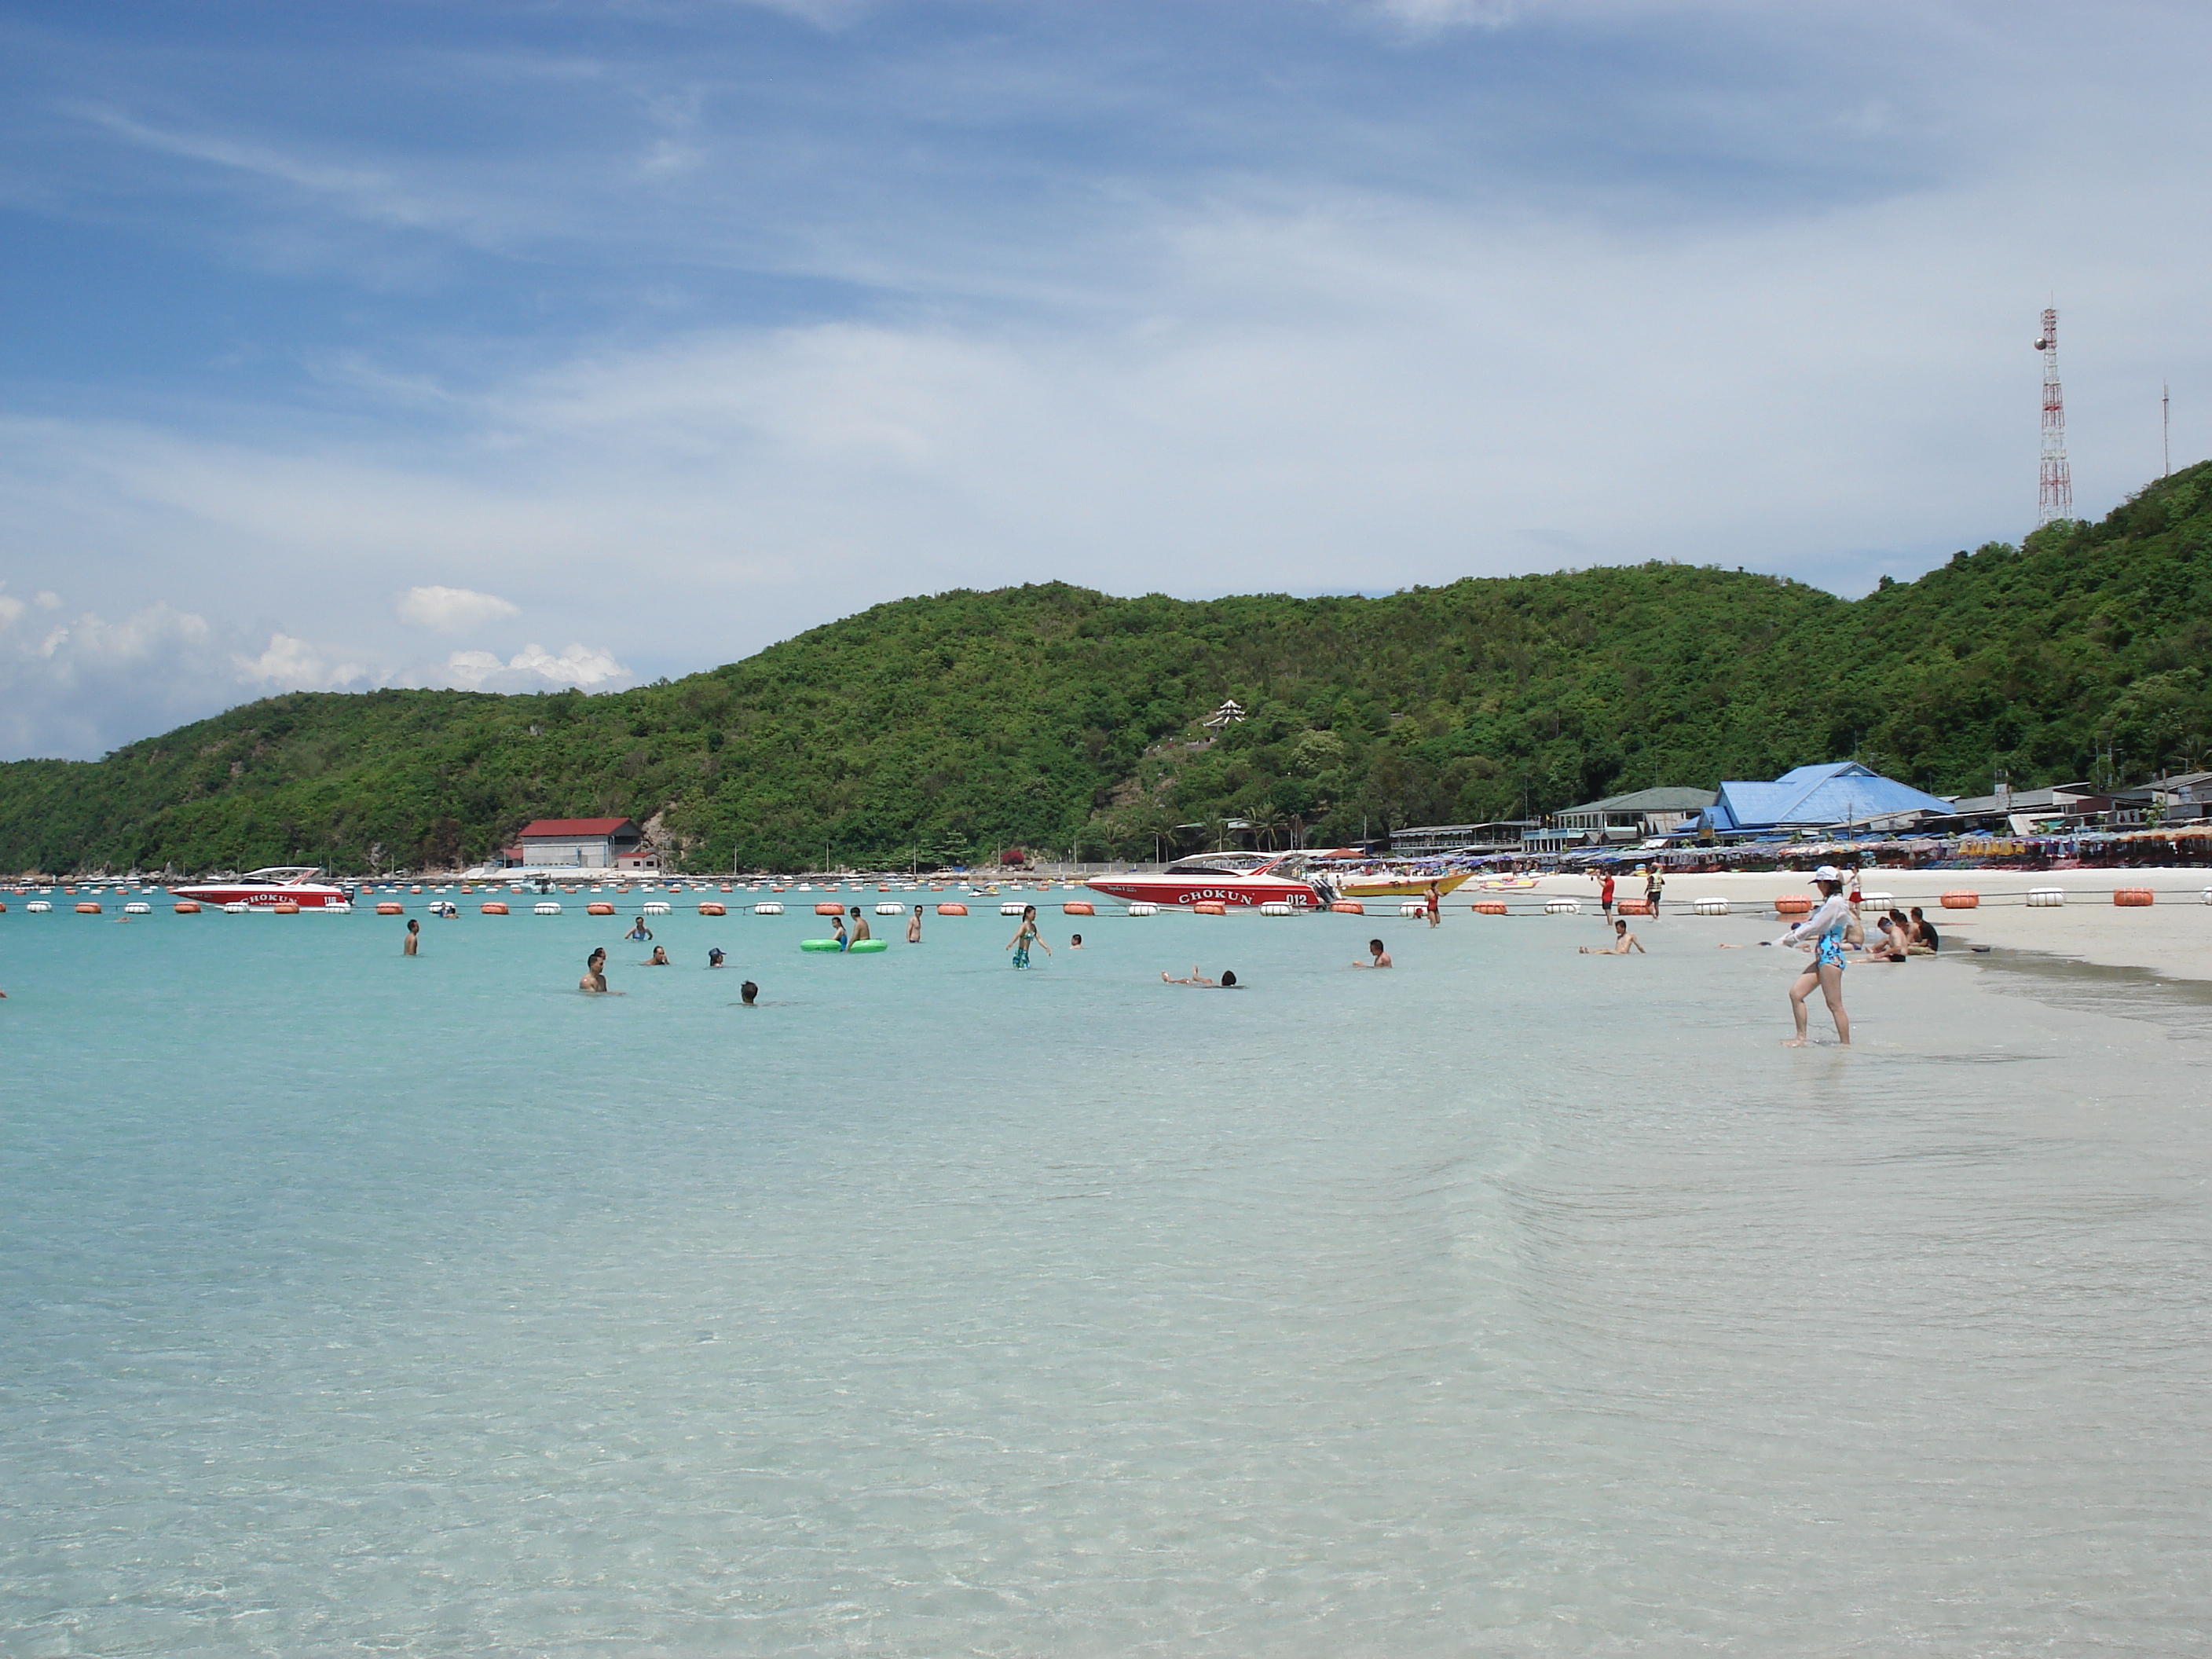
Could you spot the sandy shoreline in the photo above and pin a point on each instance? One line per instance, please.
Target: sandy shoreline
(2173, 936)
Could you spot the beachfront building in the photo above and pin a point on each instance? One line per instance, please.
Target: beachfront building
(1842, 796)
(586, 843)
(1434, 840)
(1620, 820)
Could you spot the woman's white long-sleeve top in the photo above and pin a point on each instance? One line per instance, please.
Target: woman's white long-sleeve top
(1831, 917)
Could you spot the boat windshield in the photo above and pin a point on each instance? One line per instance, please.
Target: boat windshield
(1218, 864)
(284, 875)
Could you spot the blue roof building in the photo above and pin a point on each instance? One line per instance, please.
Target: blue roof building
(1833, 797)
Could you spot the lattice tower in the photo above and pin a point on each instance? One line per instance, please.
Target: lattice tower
(2054, 484)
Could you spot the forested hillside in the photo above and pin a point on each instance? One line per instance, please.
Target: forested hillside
(1056, 717)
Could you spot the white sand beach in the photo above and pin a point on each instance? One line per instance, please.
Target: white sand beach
(2173, 936)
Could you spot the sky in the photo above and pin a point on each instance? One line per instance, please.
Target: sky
(583, 342)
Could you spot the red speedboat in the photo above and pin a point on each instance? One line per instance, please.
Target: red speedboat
(1219, 878)
(280, 884)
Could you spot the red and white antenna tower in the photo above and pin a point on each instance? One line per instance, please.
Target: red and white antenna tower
(2054, 485)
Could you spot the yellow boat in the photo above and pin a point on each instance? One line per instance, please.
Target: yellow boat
(1389, 885)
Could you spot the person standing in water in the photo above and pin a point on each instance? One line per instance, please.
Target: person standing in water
(1824, 931)
(1654, 885)
(859, 928)
(914, 926)
(837, 921)
(1433, 903)
(413, 944)
(747, 993)
(639, 933)
(1026, 935)
(594, 981)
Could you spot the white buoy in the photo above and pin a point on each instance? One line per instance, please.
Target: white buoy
(2046, 898)
(891, 910)
(545, 908)
(1709, 907)
(38, 907)
(1011, 909)
(770, 909)
(2205, 897)
(1144, 909)
(1275, 907)
(237, 908)
(137, 907)
(653, 907)
(1877, 901)
(1563, 907)
(1413, 909)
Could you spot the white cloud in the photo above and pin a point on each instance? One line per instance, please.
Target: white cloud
(451, 610)
(290, 665)
(533, 668)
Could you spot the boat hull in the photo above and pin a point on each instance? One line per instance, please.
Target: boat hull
(1368, 887)
(1206, 890)
(308, 898)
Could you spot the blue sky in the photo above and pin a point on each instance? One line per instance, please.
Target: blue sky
(517, 345)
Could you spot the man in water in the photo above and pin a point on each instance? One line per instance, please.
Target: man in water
(1654, 885)
(859, 926)
(658, 959)
(747, 992)
(914, 926)
(1623, 943)
(414, 938)
(714, 957)
(1376, 956)
(594, 981)
(1075, 943)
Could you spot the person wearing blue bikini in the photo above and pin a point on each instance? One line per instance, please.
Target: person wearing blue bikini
(1026, 935)
(1824, 931)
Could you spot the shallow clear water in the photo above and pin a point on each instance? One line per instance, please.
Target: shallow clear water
(1509, 1302)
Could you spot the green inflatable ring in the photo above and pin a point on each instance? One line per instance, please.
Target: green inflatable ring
(858, 947)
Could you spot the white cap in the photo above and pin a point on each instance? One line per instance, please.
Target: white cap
(1828, 872)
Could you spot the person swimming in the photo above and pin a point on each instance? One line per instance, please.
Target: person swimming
(638, 931)
(659, 958)
(1075, 942)
(714, 957)
(1226, 983)
(747, 993)
(1376, 956)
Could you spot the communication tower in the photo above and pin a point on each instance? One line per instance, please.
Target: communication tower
(2054, 490)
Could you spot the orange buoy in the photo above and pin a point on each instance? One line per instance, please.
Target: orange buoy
(285, 907)
(1209, 908)
(1629, 907)
(1489, 907)
(87, 908)
(415, 889)
(186, 906)
(494, 908)
(390, 907)
(1078, 907)
(712, 909)
(1349, 907)
(599, 907)
(1962, 898)
(2130, 897)
(1792, 904)
(951, 910)
(828, 910)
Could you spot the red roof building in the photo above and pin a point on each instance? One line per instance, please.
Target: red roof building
(590, 843)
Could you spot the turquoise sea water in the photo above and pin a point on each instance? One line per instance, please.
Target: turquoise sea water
(1507, 1302)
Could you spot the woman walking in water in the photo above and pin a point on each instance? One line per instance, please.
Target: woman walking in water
(1825, 929)
(1026, 935)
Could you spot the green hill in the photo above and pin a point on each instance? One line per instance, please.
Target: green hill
(1055, 717)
